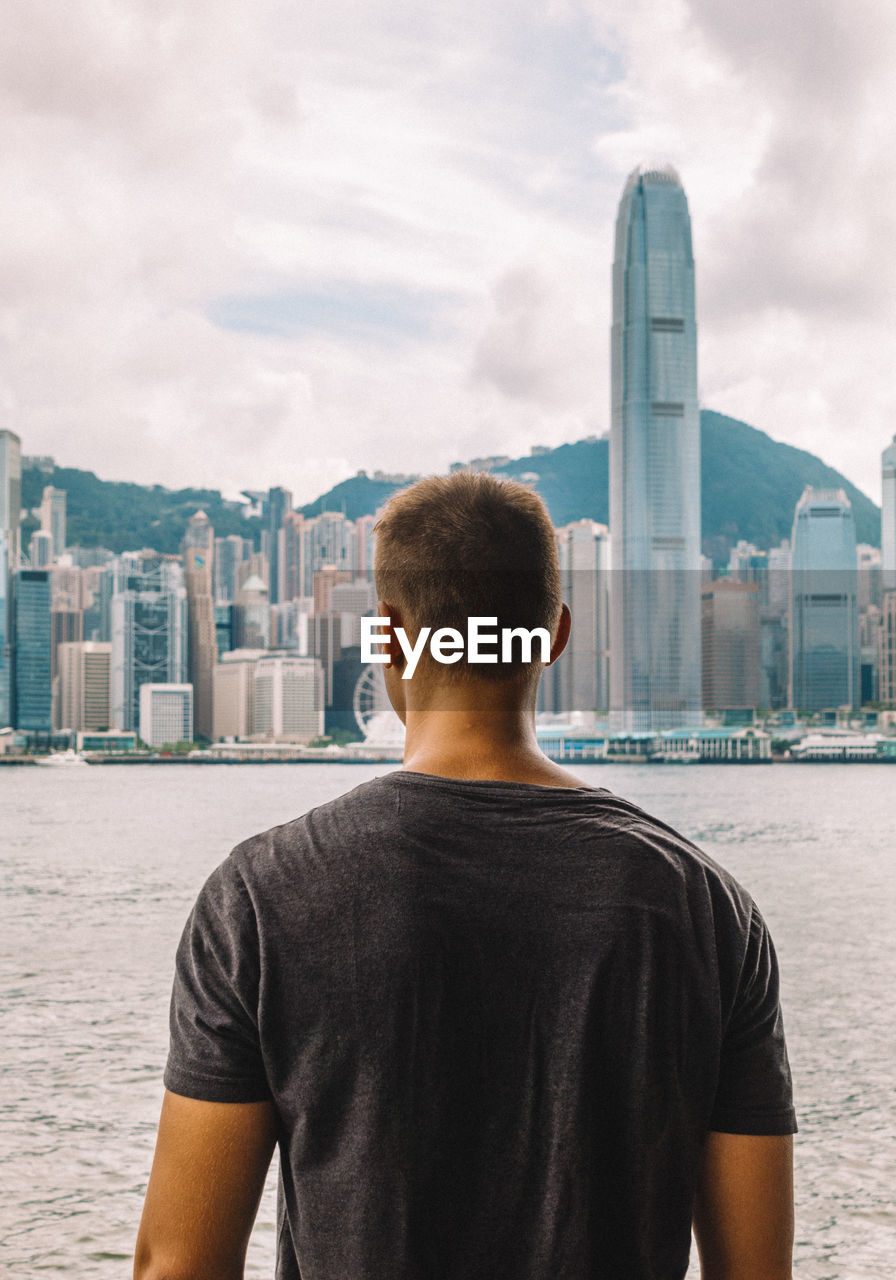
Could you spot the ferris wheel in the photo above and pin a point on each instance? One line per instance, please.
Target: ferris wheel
(370, 697)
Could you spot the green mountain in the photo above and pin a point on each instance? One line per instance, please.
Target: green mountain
(750, 482)
(126, 517)
(750, 486)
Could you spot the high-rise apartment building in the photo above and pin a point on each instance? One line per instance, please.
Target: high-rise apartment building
(279, 502)
(83, 701)
(52, 518)
(32, 688)
(10, 520)
(824, 634)
(198, 550)
(888, 518)
(655, 666)
(730, 643)
(149, 625)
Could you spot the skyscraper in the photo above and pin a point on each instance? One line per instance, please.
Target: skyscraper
(824, 634)
(149, 632)
(579, 681)
(279, 502)
(731, 644)
(84, 686)
(655, 666)
(52, 517)
(199, 554)
(10, 518)
(32, 640)
(888, 518)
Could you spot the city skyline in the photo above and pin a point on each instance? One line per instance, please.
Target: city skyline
(246, 250)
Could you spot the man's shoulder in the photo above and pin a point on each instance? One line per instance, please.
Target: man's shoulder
(365, 806)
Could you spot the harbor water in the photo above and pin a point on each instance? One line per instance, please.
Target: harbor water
(99, 868)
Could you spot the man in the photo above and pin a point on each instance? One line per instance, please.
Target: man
(501, 1024)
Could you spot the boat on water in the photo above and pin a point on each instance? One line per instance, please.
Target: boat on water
(62, 758)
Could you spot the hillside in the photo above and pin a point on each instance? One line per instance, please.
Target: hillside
(750, 482)
(126, 517)
(750, 486)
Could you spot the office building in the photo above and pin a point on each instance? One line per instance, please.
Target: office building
(11, 492)
(97, 590)
(731, 644)
(329, 542)
(83, 701)
(223, 629)
(888, 518)
(166, 714)
(40, 549)
(289, 625)
(198, 549)
(824, 636)
(52, 518)
(579, 680)
(254, 565)
(886, 663)
(234, 687)
(10, 521)
(774, 659)
(655, 667)
(350, 601)
(288, 699)
(149, 630)
(32, 637)
(365, 540)
(869, 562)
(230, 552)
(279, 502)
(6, 622)
(251, 614)
(291, 557)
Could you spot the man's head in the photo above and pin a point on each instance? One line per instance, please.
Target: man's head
(469, 545)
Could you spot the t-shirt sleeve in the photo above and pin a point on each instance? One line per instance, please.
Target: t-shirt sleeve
(215, 1054)
(755, 1093)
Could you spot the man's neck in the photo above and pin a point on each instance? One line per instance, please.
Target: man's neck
(486, 738)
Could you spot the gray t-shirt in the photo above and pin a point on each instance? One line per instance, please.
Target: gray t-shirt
(496, 1021)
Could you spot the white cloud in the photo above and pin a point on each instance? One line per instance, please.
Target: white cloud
(446, 179)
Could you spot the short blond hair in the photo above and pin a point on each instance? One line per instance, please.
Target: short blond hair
(466, 545)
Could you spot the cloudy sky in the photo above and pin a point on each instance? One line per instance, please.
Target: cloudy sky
(248, 242)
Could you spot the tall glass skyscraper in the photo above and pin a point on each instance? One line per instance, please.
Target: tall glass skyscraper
(149, 632)
(10, 515)
(655, 665)
(888, 518)
(33, 636)
(824, 632)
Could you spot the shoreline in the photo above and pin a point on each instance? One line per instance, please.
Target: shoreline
(134, 760)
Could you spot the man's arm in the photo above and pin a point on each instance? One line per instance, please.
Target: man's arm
(207, 1177)
(743, 1212)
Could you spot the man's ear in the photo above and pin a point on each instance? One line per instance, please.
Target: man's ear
(395, 651)
(562, 634)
